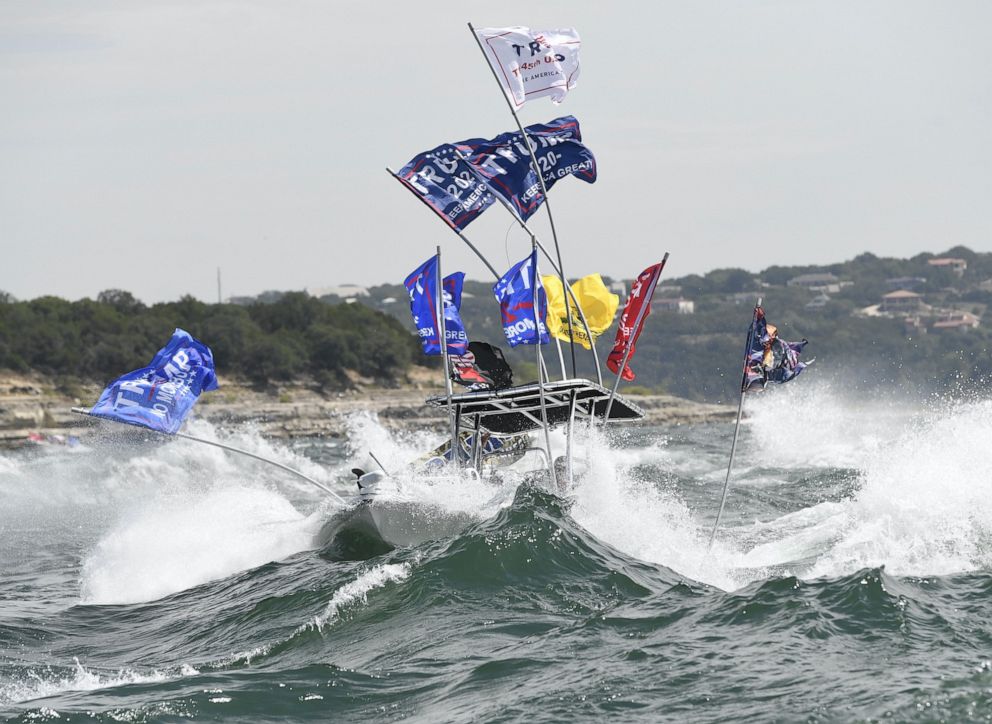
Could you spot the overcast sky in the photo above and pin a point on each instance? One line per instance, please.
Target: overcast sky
(142, 145)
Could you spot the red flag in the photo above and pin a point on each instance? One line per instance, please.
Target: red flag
(639, 299)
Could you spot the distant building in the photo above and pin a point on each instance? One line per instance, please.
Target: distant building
(945, 262)
(901, 302)
(619, 288)
(679, 305)
(824, 282)
(345, 291)
(389, 300)
(818, 302)
(910, 283)
(668, 290)
(957, 320)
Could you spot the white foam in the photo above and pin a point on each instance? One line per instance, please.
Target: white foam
(813, 424)
(178, 542)
(925, 503)
(358, 591)
(640, 518)
(349, 594)
(39, 686)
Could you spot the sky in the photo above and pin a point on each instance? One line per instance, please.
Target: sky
(146, 144)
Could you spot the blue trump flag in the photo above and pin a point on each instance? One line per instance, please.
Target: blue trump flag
(446, 183)
(422, 286)
(504, 162)
(160, 395)
(515, 294)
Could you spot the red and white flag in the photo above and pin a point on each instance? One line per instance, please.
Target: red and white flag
(640, 299)
(532, 63)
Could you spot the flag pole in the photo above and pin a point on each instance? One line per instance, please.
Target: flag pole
(566, 287)
(461, 236)
(645, 305)
(540, 178)
(470, 245)
(535, 281)
(737, 428)
(222, 446)
(442, 328)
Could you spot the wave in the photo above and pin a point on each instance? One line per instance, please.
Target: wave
(79, 678)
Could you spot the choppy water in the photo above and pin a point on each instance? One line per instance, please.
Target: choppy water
(149, 582)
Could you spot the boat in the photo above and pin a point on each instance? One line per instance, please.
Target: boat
(498, 436)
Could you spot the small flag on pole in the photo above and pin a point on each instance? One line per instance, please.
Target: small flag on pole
(161, 395)
(532, 63)
(515, 294)
(421, 286)
(635, 311)
(770, 358)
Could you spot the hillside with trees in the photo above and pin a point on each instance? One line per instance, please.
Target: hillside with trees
(942, 343)
(289, 338)
(872, 323)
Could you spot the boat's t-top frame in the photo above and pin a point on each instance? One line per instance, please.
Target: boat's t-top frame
(518, 409)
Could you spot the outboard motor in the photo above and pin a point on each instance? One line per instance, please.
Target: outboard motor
(368, 482)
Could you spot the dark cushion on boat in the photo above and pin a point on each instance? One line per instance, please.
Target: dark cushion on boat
(490, 359)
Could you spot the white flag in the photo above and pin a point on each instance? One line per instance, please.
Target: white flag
(533, 63)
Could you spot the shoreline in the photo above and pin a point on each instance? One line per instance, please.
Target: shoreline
(35, 404)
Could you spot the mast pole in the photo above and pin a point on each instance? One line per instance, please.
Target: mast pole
(737, 428)
(630, 344)
(567, 289)
(439, 310)
(229, 448)
(540, 178)
(461, 236)
(535, 280)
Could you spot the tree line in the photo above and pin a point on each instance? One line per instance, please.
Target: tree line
(293, 337)
(698, 356)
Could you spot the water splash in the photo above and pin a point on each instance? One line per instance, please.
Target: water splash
(45, 684)
(176, 543)
(925, 502)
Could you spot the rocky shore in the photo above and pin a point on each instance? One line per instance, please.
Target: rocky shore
(33, 405)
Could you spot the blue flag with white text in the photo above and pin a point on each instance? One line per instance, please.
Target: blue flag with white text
(422, 287)
(515, 294)
(446, 183)
(160, 395)
(504, 162)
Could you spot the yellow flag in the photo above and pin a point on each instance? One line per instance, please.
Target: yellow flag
(598, 304)
(557, 320)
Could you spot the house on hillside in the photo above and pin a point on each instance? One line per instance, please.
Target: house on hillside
(620, 289)
(824, 282)
(901, 301)
(345, 291)
(957, 320)
(945, 262)
(677, 304)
